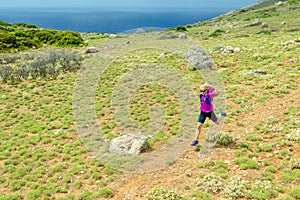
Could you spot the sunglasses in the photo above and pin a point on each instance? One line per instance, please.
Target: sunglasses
(203, 90)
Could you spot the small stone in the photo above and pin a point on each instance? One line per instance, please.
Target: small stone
(58, 131)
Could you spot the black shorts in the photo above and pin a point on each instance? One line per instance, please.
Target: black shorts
(203, 115)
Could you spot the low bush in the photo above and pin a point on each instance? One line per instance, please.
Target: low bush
(217, 33)
(224, 140)
(236, 187)
(246, 163)
(263, 189)
(47, 65)
(198, 194)
(21, 36)
(162, 194)
(211, 183)
(295, 192)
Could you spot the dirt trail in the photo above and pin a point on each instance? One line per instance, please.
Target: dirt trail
(135, 186)
(184, 171)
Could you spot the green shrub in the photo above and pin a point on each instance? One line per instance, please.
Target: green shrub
(162, 194)
(216, 33)
(105, 192)
(47, 65)
(224, 140)
(285, 197)
(15, 196)
(181, 28)
(244, 145)
(17, 184)
(22, 37)
(254, 137)
(2, 23)
(284, 153)
(211, 183)
(21, 24)
(289, 175)
(292, 1)
(96, 175)
(78, 184)
(246, 163)
(86, 194)
(33, 195)
(220, 168)
(213, 136)
(198, 194)
(236, 187)
(294, 135)
(271, 169)
(67, 39)
(264, 148)
(110, 171)
(295, 164)
(295, 192)
(266, 32)
(263, 189)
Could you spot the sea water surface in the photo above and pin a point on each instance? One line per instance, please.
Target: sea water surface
(109, 20)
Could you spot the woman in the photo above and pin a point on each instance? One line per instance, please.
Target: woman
(207, 93)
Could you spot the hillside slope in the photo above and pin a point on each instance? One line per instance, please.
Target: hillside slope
(256, 54)
(263, 113)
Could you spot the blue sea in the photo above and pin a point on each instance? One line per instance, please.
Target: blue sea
(107, 20)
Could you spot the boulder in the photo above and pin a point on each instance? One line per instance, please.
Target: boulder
(91, 50)
(182, 36)
(199, 58)
(264, 25)
(253, 24)
(255, 71)
(128, 144)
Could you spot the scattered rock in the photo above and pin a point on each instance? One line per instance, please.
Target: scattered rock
(253, 24)
(58, 131)
(237, 49)
(188, 173)
(290, 42)
(128, 144)
(264, 25)
(227, 49)
(279, 3)
(162, 54)
(251, 72)
(219, 47)
(91, 50)
(112, 36)
(167, 36)
(182, 36)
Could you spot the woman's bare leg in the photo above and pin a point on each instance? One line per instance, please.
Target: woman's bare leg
(198, 130)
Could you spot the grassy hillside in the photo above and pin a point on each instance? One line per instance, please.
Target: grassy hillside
(256, 53)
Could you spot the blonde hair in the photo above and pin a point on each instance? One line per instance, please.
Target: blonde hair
(204, 86)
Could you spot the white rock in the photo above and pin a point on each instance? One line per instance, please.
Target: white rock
(128, 144)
